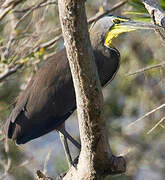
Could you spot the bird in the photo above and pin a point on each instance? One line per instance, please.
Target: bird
(49, 98)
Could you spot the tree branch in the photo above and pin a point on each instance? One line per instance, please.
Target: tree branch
(146, 115)
(156, 125)
(161, 65)
(159, 15)
(8, 6)
(95, 150)
(10, 71)
(101, 14)
(41, 4)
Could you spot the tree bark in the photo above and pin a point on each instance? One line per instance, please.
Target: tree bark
(96, 159)
(153, 8)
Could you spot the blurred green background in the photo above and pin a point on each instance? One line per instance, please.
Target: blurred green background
(127, 98)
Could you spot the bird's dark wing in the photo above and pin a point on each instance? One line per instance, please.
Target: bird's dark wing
(46, 102)
(18, 108)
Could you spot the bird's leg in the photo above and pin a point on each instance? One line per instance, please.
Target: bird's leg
(65, 145)
(66, 148)
(63, 136)
(67, 135)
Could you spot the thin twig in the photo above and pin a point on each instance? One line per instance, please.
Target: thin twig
(48, 44)
(156, 125)
(6, 164)
(46, 162)
(146, 69)
(147, 114)
(154, 21)
(10, 71)
(53, 41)
(41, 176)
(8, 6)
(101, 14)
(5, 11)
(41, 4)
(94, 18)
(14, 69)
(162, 126)
(29, 8)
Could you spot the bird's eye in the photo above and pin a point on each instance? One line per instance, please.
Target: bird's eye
(116, 21)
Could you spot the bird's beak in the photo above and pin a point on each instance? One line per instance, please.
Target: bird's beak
(134, 25)
(126, 26)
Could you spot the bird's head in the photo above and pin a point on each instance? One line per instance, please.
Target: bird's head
(103, 31)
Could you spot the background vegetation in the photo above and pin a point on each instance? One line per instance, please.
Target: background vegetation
(127, 98)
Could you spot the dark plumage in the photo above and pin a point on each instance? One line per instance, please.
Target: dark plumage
(49, 98)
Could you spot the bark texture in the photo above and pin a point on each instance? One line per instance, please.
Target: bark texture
(154, 9)
(96, 159)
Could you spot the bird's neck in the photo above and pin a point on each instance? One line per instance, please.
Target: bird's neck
(99, 45)
(107, 62)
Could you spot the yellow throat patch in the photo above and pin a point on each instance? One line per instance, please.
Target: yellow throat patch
(114, 32)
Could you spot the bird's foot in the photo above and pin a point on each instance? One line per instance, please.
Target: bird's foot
(42, 176)
(75, 162)
(60, 177)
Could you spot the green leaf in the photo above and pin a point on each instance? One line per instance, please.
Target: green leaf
(162, 4)
(138, 5)
(138, 16)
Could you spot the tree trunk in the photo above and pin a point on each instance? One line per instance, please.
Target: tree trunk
(96, 159)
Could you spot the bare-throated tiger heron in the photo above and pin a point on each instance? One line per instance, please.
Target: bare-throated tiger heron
(49, 98)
